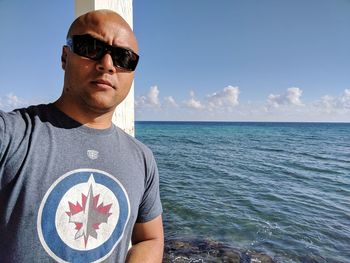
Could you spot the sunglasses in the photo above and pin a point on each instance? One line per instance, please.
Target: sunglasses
(92, 48)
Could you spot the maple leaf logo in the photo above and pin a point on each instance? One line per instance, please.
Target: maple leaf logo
(88, 215)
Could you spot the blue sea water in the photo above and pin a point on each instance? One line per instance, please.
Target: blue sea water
(279, 188)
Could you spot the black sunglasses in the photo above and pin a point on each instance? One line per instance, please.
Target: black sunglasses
(92, 48)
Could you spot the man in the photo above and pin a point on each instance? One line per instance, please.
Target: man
(74, 187)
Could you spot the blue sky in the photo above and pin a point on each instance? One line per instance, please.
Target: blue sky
(237, 60)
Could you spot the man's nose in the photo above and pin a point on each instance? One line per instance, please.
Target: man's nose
(105, 64)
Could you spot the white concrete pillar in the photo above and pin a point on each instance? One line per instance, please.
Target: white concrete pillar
(124, 116)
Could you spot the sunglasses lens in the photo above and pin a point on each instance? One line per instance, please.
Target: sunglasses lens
(124, 58)
(89, 47)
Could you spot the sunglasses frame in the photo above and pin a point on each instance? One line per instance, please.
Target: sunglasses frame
(115, 52)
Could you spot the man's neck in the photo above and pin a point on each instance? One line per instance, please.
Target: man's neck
(86, 117)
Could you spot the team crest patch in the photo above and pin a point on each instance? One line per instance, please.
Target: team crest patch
(92, 154)
(82, 216)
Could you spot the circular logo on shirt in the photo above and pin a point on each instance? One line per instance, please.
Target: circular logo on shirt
(83, 215)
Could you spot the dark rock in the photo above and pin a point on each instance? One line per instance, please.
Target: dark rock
(230, 257)
(260, 258)
(208, 251)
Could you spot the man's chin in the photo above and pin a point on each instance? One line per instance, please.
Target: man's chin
(102, 104)
(101, 108)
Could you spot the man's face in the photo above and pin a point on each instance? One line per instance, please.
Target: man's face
(98, 86)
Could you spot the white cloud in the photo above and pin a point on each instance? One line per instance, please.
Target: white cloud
(170, 101)
(153, 96)
(345, 99)
(330, 103)
(150, 100)
(225, 105)
(14, 101)
(11, 101)
(290, 98)
(192, 103)
(228, 97)
(224, 99)
(327, 102)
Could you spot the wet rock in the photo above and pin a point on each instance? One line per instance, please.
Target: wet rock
(209, 251)
(260, 258)
(230, 257)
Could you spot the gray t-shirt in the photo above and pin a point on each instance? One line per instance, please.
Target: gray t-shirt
(70, 193)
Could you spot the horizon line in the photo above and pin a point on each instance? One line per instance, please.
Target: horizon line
(219, 121)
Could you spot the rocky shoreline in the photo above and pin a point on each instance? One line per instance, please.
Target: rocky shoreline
(211, 251)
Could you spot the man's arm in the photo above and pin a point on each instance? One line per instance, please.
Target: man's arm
(147, 242)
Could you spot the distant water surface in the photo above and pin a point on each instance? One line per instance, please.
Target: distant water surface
(280, 188)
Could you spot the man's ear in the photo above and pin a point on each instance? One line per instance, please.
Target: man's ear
(64, 57)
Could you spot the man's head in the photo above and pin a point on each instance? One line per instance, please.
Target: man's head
(98, 82)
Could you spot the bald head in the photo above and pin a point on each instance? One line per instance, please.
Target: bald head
(105, 23)
(94, 86)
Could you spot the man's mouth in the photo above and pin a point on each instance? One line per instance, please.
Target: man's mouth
(102, 83)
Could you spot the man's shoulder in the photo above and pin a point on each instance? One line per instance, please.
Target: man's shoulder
(16, 128)
(22, 119)
(132, 143)
(20, 113)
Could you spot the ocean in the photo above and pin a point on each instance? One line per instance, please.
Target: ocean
(282, 189)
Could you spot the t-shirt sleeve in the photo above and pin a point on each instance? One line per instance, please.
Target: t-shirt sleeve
(3, 140)
(12, 145)
(150, 206)
(3, 143)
